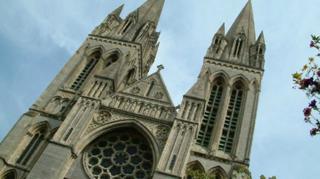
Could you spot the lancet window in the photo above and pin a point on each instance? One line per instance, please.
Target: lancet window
(9, 175)
(217, 43)
(232, 118)
(36, 141)
(259, 49)
(130, 76)
(126, 25)
(237, 48)
(92, 61)
(211, 113)
(112, 59)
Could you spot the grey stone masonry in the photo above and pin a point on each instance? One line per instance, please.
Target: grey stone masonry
(104, 116)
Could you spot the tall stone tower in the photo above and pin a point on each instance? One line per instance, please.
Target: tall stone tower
(104, 117)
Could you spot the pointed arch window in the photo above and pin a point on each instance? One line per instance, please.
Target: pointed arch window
(217, 43)
(112, 59)
(37, 139)
(210, 114)
(218, 173)
(237, 47)
(232, 118)
(127, 25)
(194, 170)
(93, 59)
(130, 78)
(259, 49)
(9, 175)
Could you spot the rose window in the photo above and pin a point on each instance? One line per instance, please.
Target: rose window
(119, 154)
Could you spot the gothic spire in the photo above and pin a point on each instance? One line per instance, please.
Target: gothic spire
(221, 29)
(261, 38)
(244, 23)
(150, 11)
(117, 11)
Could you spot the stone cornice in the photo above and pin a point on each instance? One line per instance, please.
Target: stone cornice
(140, 116)
(211, 157)
(232, 65)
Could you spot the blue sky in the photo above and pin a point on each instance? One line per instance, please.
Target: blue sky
(37, 38)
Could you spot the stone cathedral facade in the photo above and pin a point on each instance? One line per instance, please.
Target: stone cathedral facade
(104, 116)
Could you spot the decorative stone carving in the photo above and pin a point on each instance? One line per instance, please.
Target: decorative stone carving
(99, 119)
(102, 117)
(102, 28)
(162, 133)
(57, 105)
(159, 95)
(135, 90)
(141, 107)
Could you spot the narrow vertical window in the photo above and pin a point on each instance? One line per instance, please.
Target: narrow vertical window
(217, 43)
(210, 114)
(130, 76)
(238, 47)
(93, 59)
(126, 26)
(232, 118)
(31, 148)
(259, 49)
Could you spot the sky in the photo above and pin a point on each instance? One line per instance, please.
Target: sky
(38, 36)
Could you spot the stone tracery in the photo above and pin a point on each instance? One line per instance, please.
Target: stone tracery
(122, 153)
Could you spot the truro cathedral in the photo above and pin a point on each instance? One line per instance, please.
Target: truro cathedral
(104, 116)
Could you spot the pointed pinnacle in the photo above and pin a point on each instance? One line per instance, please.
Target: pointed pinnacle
(244, 21)
(118, 10)
(221, 29)
(261, 38)
(160, 67)
(151, 11)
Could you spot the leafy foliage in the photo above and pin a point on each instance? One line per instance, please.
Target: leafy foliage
(197, 174)
(308, 80)
(263, 177)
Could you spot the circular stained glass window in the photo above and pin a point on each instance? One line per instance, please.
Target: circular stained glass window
(119, 154)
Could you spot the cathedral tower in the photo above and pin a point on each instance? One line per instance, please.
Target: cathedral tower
(212, 132)
(104, 116)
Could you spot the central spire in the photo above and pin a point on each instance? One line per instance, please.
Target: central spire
(244, 23)
(150, 11)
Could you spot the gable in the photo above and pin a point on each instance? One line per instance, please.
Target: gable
(151, 87)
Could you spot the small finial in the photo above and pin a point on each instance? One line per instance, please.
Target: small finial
(160, 67)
